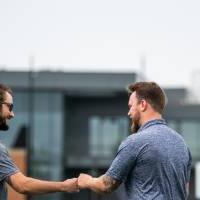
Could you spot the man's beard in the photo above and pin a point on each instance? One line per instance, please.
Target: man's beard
(3, 125)
(135, 123)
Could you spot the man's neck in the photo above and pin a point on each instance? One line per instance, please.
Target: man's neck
(150, 117)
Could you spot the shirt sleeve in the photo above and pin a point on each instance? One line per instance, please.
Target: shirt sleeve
(7, 166)
(124, 161)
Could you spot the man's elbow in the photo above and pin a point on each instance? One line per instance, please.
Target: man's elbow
(19, 188)
(107, 190)
(22, 189)
(19, 183)
(108, 184)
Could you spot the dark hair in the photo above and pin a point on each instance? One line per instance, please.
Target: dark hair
(151, 92)
(3, 90)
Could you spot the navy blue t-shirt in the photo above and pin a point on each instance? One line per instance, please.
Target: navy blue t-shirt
(7, 168)
(154, 164)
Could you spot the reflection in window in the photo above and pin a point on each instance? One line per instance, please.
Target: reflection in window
(105, 135)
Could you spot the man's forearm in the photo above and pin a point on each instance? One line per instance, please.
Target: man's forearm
(28, 185)
(102, 184)
(35, 186)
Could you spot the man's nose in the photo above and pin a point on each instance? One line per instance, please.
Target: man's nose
(12, 114)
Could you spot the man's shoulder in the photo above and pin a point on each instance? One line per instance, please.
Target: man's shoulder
(133, 141)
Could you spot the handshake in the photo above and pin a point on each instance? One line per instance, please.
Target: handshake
(75, 184)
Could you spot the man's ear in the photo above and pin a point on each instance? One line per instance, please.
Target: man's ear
(143, 105)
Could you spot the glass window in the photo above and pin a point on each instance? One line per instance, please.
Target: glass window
(105, 134)
(47, 131)
(47, 124)
(191, 134)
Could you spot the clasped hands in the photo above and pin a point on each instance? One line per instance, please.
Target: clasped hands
(75, 184)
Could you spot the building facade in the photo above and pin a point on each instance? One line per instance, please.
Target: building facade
(73, 122)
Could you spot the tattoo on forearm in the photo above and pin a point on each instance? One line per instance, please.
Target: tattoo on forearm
(110, 183)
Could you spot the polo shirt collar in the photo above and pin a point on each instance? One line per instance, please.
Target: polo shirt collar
(152, 122)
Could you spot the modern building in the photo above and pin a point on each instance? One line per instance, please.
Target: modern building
(73, 122)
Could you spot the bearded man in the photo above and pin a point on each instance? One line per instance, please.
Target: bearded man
(9, 172)
(154, 163)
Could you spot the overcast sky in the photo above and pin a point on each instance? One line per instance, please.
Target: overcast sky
(103, 35)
